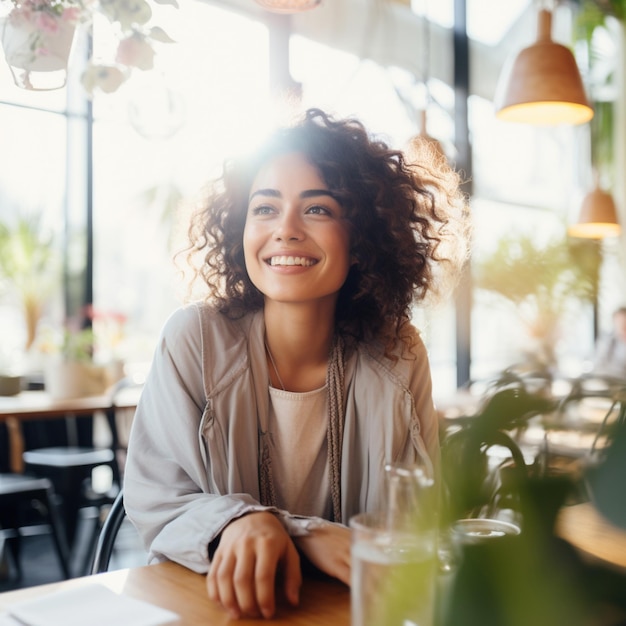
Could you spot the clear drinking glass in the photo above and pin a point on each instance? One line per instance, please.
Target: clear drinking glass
(394, 554)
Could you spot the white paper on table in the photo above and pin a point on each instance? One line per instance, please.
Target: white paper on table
(92, 604)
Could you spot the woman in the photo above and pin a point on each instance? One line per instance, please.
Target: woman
(271, 408)
(610, 352)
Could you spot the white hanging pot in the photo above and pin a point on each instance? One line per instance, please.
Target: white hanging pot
(37, 50)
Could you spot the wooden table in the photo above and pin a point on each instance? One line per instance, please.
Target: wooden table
(30, 405)
(593, 535)
(323, 602)
(171, 586)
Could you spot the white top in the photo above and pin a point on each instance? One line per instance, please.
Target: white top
(298, 423)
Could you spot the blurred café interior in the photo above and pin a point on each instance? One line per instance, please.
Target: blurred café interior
(102, 159)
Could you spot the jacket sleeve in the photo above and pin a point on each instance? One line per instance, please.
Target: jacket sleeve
(420, 383)
(166, 492)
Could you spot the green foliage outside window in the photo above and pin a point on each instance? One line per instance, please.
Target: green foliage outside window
(540, 282)
(28, 265)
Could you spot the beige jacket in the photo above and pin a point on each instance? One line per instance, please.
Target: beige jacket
(192, 463)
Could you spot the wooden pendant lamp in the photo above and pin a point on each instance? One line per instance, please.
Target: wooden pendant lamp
(288, 6)
(598, 216)
(544, 86)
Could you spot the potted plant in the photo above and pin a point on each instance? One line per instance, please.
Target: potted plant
(69, 369)
(535, 577)
(37, 37)
(472, 488)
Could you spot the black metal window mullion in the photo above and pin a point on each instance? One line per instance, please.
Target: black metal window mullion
(464, 164)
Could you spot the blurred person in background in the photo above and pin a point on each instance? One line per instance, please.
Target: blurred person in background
(610, 353)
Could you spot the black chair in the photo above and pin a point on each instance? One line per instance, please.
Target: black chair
(70, 468)
(24, 500)
(70, 471)
(108, 533)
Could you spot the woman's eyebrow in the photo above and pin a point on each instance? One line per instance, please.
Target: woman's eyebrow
(274, 193)
(311, 193)
(308, 193)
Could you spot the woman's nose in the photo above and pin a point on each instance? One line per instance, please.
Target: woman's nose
(289, 228)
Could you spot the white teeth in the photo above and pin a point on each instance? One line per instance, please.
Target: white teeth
(291, 260)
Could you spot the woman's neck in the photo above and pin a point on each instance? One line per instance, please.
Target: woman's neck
(298, 342)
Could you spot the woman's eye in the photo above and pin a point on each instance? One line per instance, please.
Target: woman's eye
(318, 210)
(263, 209)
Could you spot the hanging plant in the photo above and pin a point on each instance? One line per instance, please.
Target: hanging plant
(39, 23)
(616, 8)
(598, 51)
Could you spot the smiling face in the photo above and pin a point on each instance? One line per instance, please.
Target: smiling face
(296, 241)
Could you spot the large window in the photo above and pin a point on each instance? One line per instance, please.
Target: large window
(156, 143)
(161, 136)
(34, 194)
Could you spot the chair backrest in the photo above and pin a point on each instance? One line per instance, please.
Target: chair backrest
(20, 489)
(108, 533)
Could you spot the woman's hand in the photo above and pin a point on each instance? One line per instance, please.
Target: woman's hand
(328, 548)
(242, 576)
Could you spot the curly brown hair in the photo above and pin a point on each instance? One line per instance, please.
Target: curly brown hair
(405, 219)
